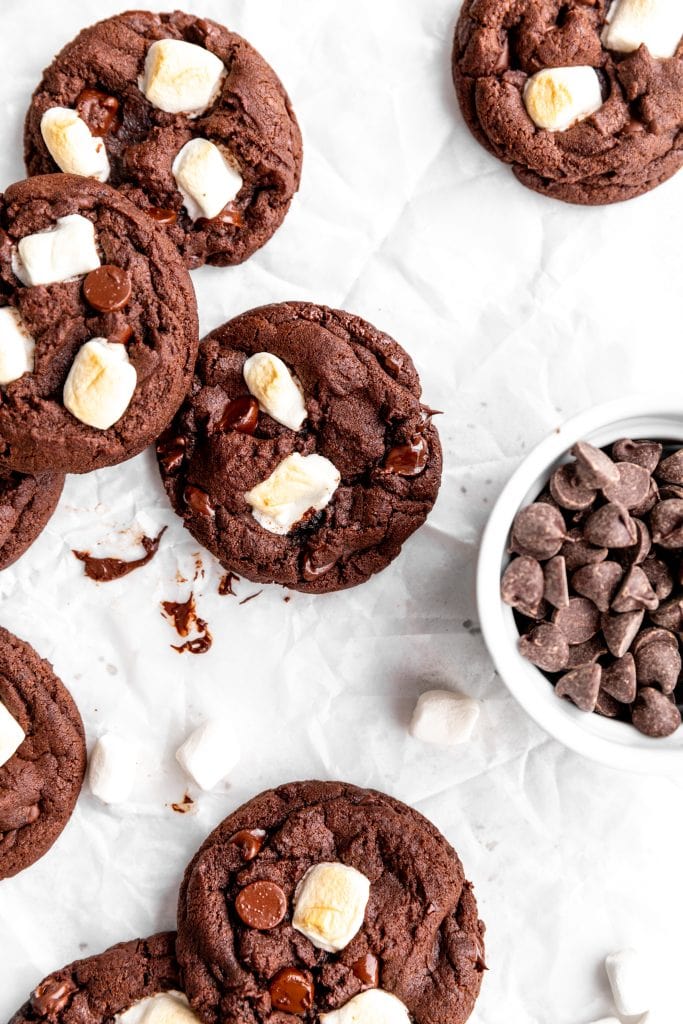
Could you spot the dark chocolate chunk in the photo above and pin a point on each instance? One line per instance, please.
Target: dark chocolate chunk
(291, 991)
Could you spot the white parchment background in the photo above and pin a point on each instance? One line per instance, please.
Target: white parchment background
(518, 311)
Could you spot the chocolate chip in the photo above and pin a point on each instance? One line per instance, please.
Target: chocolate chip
(522, 585)
(619, 679)
(654, 715)
(611, 527)
(586, 653)
(670, 614)
(654, 635)
(261, 905)
(598, 583)
(249, 842)
(577, 552)
(667, 524)
(658, 662)
(546, 647)
(650, 501)
(198, 500)
(607, 706)
(643, 453)
(291, 991)
(619, 631)
(107, 289)
(313, 569)
(408, 459)
(671, 468)
(568, 491)
(52, 996)
(594, 468)
(670, 491)
(120, 335)
(556, 586)
(100, 111)
(241, 415)
(581, 686)
(640, 550)
(366, 969)
(659, 576)
(635, 592)
(162, 215)
(538, 531)
(171, 451)
(579, 621)
(632, 488)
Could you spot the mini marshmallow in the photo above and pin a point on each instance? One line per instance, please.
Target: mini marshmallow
(112, 769)
(372, 1007)
(163, 1008)
(557, 98)
(11, 735)
(206, 180)
(278, 393)
(100, 384)
(64, 251)
(300, 484)
(444, 718)
(72, 146)
(631, 978)
(329, 905)
(17, 347)
(658, 24)
(180, 77)
(209, 753)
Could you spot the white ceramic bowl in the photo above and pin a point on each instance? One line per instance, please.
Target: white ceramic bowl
(612, 743)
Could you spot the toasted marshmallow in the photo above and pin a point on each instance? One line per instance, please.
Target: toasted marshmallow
(67, 250)
(100, 384)
(205, 179)
(163, 1008)
(558, 98)
(658, 24)
(278, 393)
(112, 769)
(180, 77)
(632, 980)
(444, 718)
(11, 735)
(300, 484)
(372, 1007)
(210, 753)
(329, 905)
(72, 147)
(17, 347)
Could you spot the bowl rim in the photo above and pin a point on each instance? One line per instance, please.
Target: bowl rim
(616, 744)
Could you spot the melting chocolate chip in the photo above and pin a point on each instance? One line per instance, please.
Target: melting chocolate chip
(249, 842)
(171, 451)
(52, 996)
(230, 215)
(408, 459)
(120, 335)
(100, 111)
(291, 991)
(366, 969)
(162, 215)
(261, 905)
(198, 500)
(104, 569)
(183, 616)
(107, 289)
(225, 587)
(311, 571)
(241, 415)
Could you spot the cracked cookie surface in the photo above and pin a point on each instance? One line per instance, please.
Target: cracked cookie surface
(26, 504)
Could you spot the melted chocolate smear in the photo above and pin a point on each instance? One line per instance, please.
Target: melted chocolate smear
(185, 805)
(251, 597)
(225, 587)
(105, 569)
(183, 616)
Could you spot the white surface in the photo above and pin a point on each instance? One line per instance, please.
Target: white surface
(506, 301)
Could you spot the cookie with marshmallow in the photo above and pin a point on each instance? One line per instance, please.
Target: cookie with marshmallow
(303, 454)
(99, 336)
(185, 117)
(323, 900)
(37, 793)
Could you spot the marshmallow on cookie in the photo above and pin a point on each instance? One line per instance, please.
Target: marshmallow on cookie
(277, 392)
(72, 146)
(17, 347)
(162, 1008)
(329, 905)
(301, 484)
(373, 1007)
(11, 735)
(206, 179)
(60, 253)
(181, 78)
(100, 384)
(558, 98)
(657, 24)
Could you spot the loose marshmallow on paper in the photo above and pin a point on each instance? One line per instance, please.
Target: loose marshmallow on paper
(329, 905)
(163, 1008)
(206, 180)
(300, 484)
(11, 735)
(372, 1007)
(64, 251)
(17, 347)
(633, 984)
(557, 98)
(656, 23)
(100, 384)
(210, 753)
(112, 769)
(180, 77)
(72, 146)
(444, 718)
(276, 390)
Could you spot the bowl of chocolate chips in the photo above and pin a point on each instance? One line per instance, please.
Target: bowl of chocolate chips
(580, 585)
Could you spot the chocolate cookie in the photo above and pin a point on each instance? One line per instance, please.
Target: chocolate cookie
(302, 455)
(98, 326)
(125, 105)
(42, 755)
(26, 504)
(564, 91)
(325, 901)
(102, 988)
